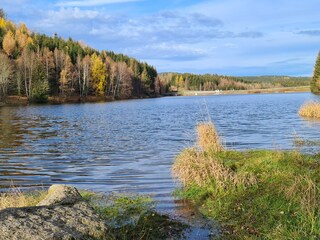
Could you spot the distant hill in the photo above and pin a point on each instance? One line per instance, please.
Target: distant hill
(284, 81)
(211, 82)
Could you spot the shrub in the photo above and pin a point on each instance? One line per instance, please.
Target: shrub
(40, 93)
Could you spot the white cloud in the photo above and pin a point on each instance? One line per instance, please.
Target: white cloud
(225, 36)
(170, 51)
(91, 3)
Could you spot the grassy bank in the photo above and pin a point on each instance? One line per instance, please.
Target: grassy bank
(251, 91)
(127, 216)
(260, 194)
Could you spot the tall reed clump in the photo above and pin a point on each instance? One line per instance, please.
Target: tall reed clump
(202, 166)
(310, 109)
(208, 138)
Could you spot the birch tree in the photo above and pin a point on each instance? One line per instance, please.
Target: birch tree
(5, 73)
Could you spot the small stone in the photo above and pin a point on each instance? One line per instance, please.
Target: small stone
(59, 194)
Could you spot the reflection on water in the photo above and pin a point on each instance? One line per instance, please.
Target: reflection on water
(130, 145)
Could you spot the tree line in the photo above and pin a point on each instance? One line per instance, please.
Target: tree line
(197, 82)
(211, 82)
(36, 66)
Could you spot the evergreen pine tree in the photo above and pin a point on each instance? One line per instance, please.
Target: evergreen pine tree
(315, 82)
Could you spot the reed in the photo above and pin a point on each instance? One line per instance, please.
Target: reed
(192, 167)
(310, 110)
(208, 138)
(204, 167)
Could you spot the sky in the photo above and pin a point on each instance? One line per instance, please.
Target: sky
(229, 37)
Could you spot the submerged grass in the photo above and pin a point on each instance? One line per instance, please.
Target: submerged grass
(133, 217)
(260, 194)
(310, 110)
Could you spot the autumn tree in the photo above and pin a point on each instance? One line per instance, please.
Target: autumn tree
(124, 80)
(86, 75)
(9, 43)
(48, 62)
(180, 81)
(186, 84)
(66, 77)
(22, 37)
(315, 82)
(113, 86)
(157, 86)
(145, 80)
(59, 58)
(26, 65)
(3, 24)
(5, 72)
(98, 73)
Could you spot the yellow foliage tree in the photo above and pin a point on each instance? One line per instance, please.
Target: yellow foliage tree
(22, 39)
(66, 76)
(3, 23)
(98, 72)
(181, 82)
(9, 43)
(23, 28)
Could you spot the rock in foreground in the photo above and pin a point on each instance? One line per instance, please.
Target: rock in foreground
(71, 221)
(59, 194)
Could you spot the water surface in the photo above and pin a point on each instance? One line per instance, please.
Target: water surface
(130, 145)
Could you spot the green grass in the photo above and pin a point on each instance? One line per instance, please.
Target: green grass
(257, 194)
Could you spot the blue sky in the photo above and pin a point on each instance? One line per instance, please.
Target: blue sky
(231, 37)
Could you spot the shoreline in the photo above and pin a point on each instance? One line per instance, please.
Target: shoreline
(14, 100)
(251, 91)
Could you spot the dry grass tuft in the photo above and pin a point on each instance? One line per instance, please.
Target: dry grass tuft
(310, 109)
(200, 168)
(192, 167)
(208, 137)
(15, 198)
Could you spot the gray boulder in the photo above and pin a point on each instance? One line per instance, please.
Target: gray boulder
(73, 220)
(59, 194)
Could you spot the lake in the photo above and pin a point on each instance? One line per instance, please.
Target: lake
(129, 146)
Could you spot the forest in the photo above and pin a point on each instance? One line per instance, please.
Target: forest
(37, 66)
(211, 82)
